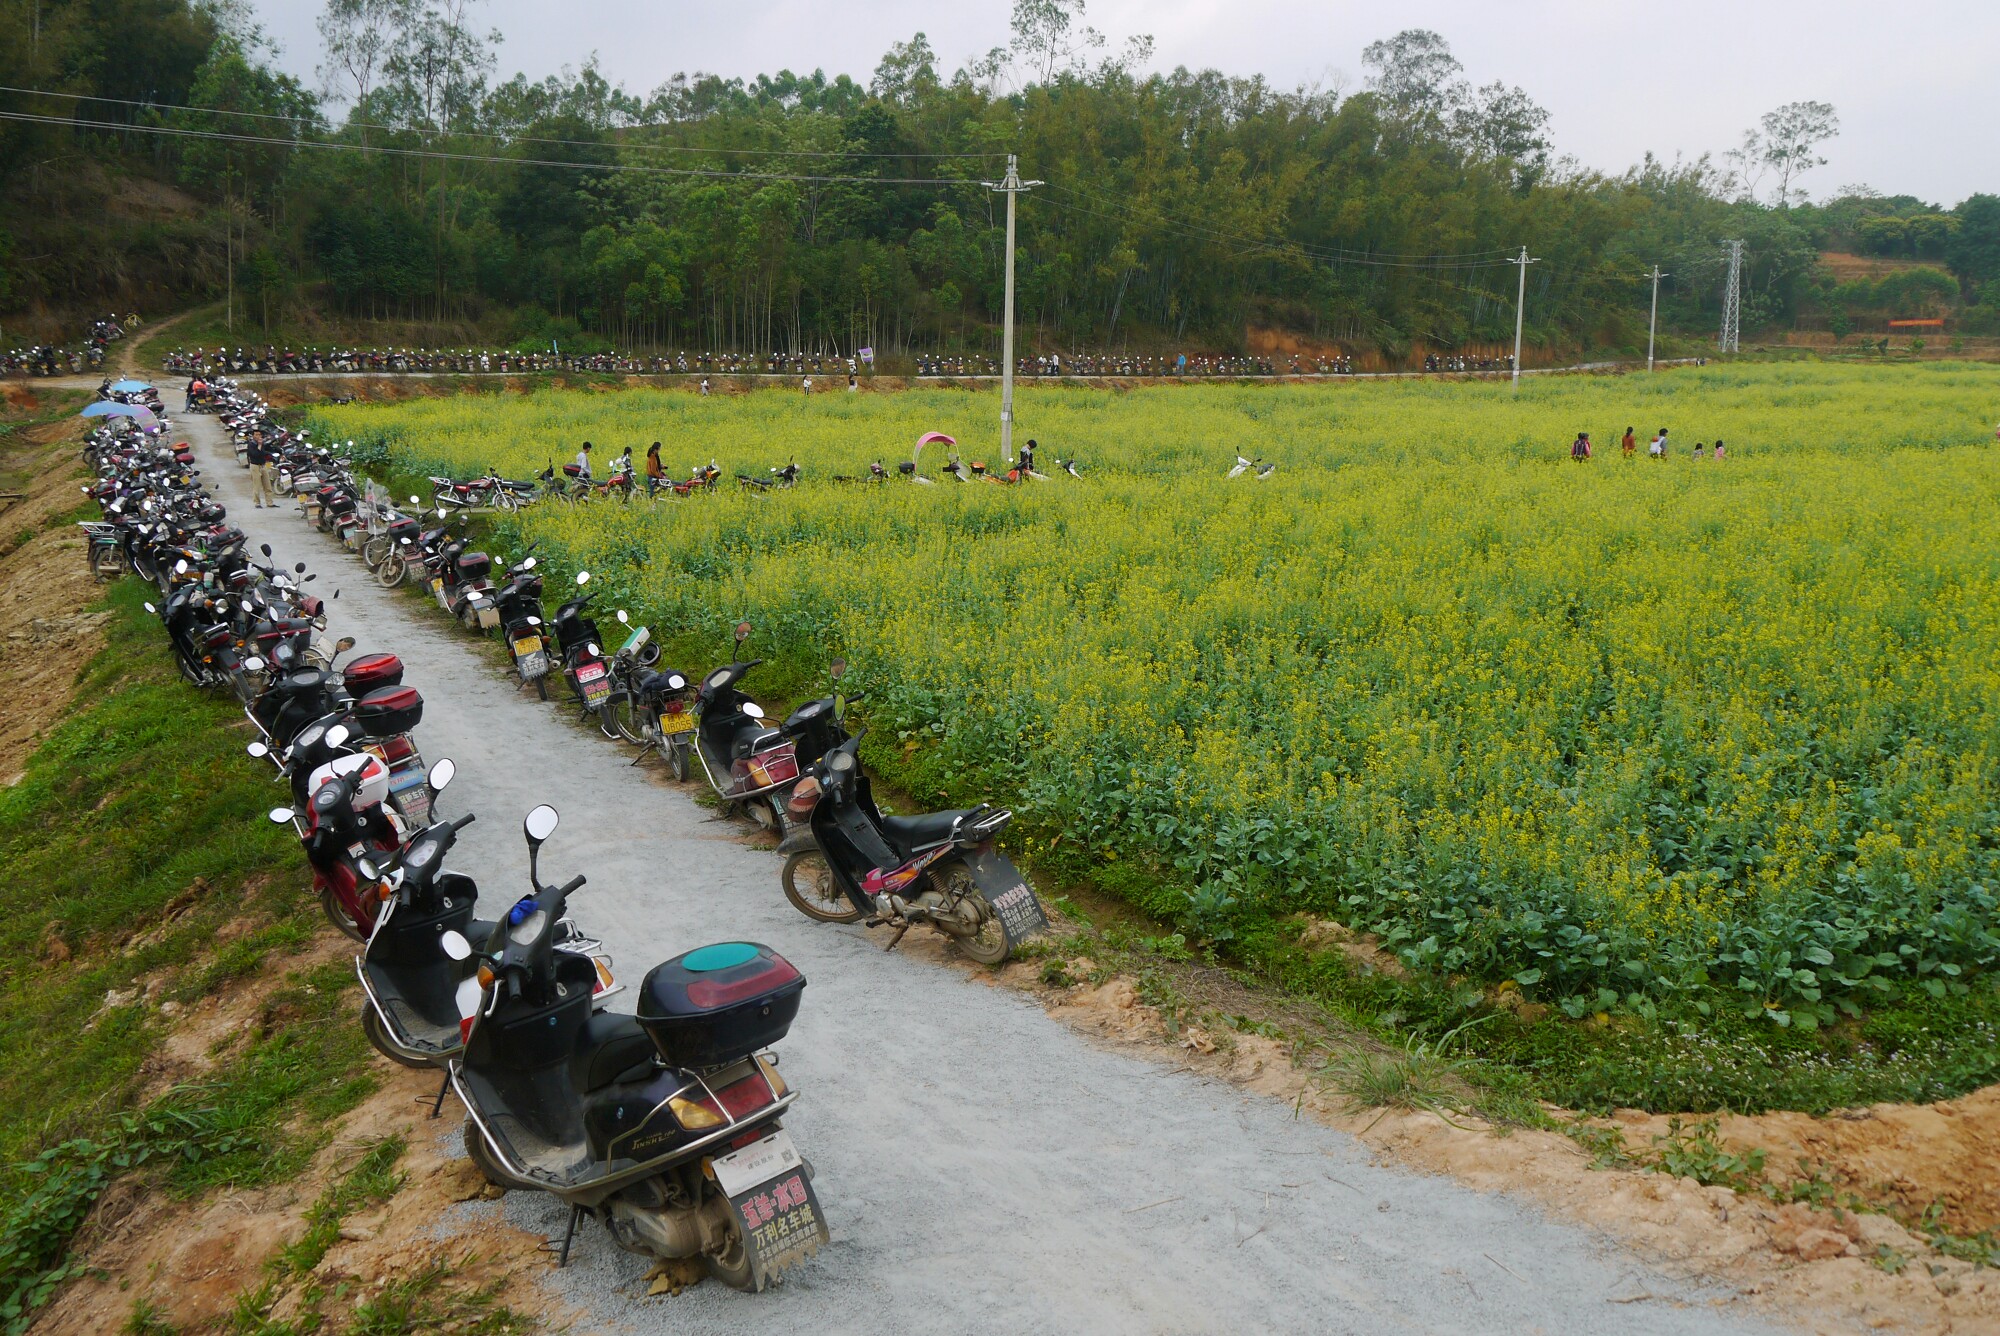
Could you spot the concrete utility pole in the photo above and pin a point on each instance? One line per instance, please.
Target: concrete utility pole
(1520, 307)
(1012, 186)
(1732, 301)
(1653, 326)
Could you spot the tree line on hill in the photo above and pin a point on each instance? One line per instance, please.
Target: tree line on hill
(168, 158)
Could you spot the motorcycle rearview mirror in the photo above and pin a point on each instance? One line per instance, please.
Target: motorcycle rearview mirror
(266, 549)
(583, 577)
(258, 750)
(300, 568)
(440, 512)
(337, 736)
(281, 816)
(150, 608)
(181, 567)
(837, 669)
(442, 772)
(253, 664)
(344, 644)
(310, 578)
(416, 500)
(455, 945)
(539, 825)
(623, 618)
(753, 709)
(529, 564)
(742, 632)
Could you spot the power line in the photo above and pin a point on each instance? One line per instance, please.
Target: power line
(497, 135)
(644, 169)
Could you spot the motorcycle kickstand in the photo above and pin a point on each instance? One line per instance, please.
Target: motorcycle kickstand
(901, 928)
(444, 1088)
(575, 1213)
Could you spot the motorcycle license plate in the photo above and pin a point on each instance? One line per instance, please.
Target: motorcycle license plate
(774, 1204)
(595, 690)
(533, 665)
(757, 1163)
(671, 724)
(527, 645)
(590, 672)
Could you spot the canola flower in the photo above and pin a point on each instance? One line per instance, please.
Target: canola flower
(1619, 732)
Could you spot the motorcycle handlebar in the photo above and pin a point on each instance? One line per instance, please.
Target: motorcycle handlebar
(462, 822)
(571, 884)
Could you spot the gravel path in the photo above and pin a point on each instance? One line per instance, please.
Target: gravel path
(984, 1169)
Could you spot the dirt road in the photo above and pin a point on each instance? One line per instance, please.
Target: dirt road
(983, 1167)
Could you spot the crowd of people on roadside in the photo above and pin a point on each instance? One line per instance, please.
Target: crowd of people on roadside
(1582, 451)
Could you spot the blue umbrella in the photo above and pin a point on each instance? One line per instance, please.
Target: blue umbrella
(105, 408)
(130, 386)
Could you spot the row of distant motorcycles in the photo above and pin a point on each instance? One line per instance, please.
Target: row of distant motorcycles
(665, 1125)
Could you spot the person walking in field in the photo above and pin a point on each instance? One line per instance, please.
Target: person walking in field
(1630, 443)
(656, 472)
(1699, 448)
(1579, 449)
(1658, 449)
(1718, 447)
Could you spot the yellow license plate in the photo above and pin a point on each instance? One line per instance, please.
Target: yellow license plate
(528, 645)
(671, 724)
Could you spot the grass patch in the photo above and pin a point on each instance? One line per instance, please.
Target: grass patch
(135, 842)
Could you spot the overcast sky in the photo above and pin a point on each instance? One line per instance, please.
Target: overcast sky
(1914, 87)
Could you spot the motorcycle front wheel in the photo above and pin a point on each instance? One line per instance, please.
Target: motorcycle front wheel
(810, 886)
(542, 686)
(390, 573)
(376, 549)
(677, 757)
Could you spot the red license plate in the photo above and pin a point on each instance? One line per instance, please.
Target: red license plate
(590, 672)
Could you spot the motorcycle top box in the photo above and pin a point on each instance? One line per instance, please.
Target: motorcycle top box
(390, 710)
(372, 672)
(474, 566)
(717, 1003)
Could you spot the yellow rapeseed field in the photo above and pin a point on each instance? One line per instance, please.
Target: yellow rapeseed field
(1619, 730)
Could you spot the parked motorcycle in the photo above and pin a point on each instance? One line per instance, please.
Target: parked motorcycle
(666, 1126)
(847, 860)
(747, 762)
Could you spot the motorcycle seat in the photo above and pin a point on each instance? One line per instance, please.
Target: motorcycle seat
(655, 684)
(910, 833)
(608, 1049)
(751, 736)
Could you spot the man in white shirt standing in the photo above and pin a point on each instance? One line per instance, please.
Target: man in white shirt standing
(583, 461)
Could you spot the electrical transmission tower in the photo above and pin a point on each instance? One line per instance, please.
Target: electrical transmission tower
(1732, 299)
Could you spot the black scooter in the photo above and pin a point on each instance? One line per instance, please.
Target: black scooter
(583, 665)
(519, 603)
(409, 983)
(664, 1125)
(745, 759)
(847, 860)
